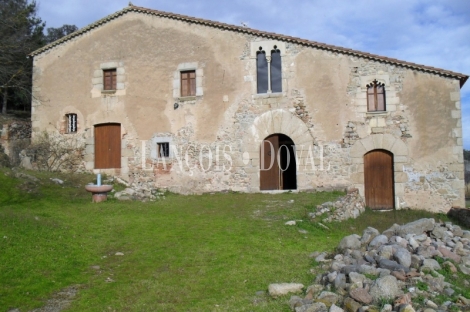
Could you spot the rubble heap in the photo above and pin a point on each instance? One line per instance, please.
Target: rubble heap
(395, 270)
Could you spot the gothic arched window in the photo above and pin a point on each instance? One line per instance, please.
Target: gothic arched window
(261, 71)
(375, 96)
(268, 71)
(276, 70)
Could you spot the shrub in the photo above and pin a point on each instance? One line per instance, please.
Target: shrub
(56, 152)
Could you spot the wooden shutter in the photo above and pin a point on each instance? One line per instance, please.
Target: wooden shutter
(371, 99)
(188, 83)
(269, 176)
(107, 146)
(109, 79)
(380, 98)
(375, 97)
(192, 83)
(378, 179)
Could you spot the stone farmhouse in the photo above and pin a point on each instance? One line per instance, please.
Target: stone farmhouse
(168, 101)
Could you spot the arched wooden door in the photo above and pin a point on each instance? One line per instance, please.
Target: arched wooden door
(378, 179)
(278, 169)
(108, 146)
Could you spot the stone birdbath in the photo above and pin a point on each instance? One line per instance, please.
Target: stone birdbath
(99, 193)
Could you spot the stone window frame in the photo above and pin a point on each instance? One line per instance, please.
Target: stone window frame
(98, 80)
(155, 144)
(263, 46)
(62, 122)
(391, 96)
(184, 67)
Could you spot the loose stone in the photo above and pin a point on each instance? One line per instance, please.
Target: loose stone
(284, 288)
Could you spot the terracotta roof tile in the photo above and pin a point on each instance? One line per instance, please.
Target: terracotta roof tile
(463, 78)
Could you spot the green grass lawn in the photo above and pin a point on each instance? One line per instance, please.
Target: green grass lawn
(183, 253)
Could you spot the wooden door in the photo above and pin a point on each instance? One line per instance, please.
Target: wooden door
(269, 166)
(378, 179)
(107, 146)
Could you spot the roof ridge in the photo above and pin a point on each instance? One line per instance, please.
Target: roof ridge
(133, 8)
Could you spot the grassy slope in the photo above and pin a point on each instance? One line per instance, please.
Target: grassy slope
(184, 253)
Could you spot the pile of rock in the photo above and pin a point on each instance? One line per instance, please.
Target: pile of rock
(349, 206)
(395, 270)
(139, 193)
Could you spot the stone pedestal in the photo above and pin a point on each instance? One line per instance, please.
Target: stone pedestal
(99, 193)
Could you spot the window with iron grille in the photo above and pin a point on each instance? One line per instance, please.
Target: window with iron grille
(71, 123)
(188, 83)
(375, 96)
(109, 79)
(163, 149)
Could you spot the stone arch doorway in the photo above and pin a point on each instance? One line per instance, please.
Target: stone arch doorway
(378, 179)
(278, 168)
(107, 146)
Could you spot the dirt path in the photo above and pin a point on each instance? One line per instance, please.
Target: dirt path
(60, 300)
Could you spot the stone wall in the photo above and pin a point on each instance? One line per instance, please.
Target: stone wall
(15, 136)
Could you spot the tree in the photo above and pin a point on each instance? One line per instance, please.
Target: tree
(21, 32)
(466, 154)
(54, 34)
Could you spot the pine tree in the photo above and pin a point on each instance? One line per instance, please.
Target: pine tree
(54, 34)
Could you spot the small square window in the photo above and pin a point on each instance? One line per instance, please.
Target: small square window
(109, 79)
(71, 123)
(163, 149)
(188, 83)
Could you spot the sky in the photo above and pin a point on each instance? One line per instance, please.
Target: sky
(433, 33)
